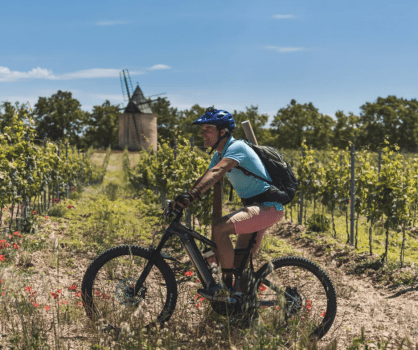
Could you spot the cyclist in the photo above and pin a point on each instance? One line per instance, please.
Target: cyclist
(261, 210)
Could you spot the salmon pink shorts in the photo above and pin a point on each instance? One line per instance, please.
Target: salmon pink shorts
(255, 218)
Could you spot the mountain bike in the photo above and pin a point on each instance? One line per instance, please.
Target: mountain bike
(134, 283)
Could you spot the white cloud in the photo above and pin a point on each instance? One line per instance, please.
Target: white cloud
(160, 66)
(41, 73)
(283, 16)
(284, 49)
(110, 23)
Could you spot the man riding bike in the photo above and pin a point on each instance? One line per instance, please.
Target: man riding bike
(261, 209)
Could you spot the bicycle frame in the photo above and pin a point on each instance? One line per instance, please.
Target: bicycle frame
(187, 238)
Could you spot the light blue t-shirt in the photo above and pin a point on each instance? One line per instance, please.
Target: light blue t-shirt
(245, 186)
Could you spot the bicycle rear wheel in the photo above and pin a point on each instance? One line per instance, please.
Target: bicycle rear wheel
(108, 284)
(297, 297)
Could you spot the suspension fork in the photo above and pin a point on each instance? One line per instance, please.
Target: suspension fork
(155, 254)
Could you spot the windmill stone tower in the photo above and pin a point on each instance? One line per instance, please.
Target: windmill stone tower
(137, 124)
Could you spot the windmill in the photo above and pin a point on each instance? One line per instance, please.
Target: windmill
(136, 103)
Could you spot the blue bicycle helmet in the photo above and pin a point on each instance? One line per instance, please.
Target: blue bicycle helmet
(220, 118)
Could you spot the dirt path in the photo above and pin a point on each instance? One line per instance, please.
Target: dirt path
(385, 314)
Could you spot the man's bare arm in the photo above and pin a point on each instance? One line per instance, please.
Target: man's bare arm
(214, 175)
(199, 179)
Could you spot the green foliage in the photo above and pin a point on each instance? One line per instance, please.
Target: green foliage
(103, 126)
(298, 122)
(60, 116)
(161, 173)
(319, 223)
(58, 210)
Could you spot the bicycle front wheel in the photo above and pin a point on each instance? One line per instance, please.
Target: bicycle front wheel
(107, 290)
(297, 297)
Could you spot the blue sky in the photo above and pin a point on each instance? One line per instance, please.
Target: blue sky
(230, 54)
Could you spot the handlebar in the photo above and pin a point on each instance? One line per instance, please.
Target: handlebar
(170, 213)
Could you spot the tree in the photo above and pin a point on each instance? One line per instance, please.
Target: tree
(297, 122)
(103, 126)
(58, 116)
(10, 111)
(347, 128)
(392, 116)
(257, 122)
(167, 118)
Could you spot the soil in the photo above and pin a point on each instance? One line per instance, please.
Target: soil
(386, 313)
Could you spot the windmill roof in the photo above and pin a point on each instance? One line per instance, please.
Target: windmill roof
(138, 103)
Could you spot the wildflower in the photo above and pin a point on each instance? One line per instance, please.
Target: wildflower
(198, 280)
(2, 241)
(10, 236)
(15, 246)
(201, 299)
(73, 287)
(16, 233)
(323, 314)
(198, 305)
(28, 288)
(7, 245)
(6, 208)
(35, 304)
(188, 273)
(20, 241)
(1, 281)
(262, 287)
(46, 217)
(34, 212)
(80, 304)
(3, 294)
(197, 296)
(65, 302)
(55, 295)
(78, 294)
(2, 258)
(277, 307)
(98, 294)
(1, 246)
(70, 206)
(55, 200)
(47, 307)
(59, 291)
(105, 296)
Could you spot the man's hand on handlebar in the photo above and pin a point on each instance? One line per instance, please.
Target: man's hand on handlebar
(185, 199)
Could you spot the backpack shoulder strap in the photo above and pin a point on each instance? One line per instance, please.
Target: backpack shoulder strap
(245, 171)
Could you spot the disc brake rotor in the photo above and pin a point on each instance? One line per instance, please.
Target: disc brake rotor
(125, 292)
(293, 299)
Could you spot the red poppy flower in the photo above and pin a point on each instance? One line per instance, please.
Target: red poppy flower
(262, 287)
(323, 314)
(188, 273)
(28, 288)
(2, 258)
(80, 304)
(34, 212)
(47, 308)
(73, 287)
(78, 294)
